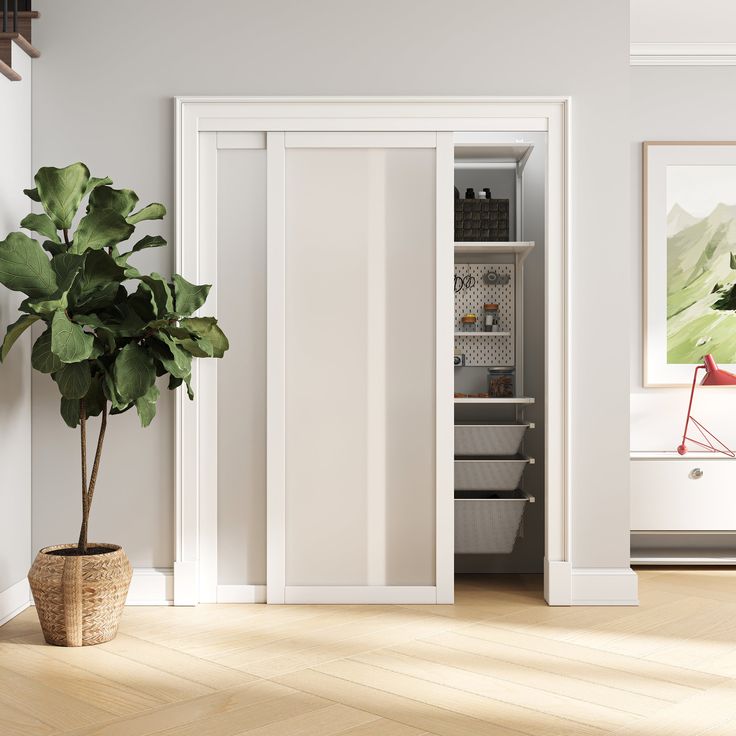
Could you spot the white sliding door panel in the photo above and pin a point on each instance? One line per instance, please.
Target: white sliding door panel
(241, 248)
(360, 362)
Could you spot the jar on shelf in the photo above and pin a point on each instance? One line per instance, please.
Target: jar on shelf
(491, 322)
(468, 323)
(501, 382)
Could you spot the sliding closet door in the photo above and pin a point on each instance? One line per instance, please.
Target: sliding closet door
(241, 396)
(359, 382)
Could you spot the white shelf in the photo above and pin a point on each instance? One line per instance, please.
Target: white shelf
(674, 455)
(521, 248)
(510, 400)
(482, 334)
(473, 246)
(472, 151)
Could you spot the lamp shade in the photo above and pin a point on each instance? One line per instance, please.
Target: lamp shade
(715, 376)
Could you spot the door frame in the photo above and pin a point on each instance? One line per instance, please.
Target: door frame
(205, 123)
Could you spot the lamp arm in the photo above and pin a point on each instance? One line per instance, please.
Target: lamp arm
(682, 449)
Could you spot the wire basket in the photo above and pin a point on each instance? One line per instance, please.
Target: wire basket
(488, 522)
(475, 440)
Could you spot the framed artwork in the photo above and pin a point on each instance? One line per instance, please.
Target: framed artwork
(689, 275)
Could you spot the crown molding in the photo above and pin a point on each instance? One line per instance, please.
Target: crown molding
(683, 54)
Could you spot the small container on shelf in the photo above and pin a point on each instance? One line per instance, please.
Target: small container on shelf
(468, 323)
(501, 382)
(491, 321)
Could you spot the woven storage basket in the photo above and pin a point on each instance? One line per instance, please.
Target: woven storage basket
(79, 600)
(481, 220)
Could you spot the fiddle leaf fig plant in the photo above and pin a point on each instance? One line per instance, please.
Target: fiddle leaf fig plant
(110, 331)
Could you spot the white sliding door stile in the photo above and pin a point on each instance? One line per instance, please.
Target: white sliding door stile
(276, 360)
(207, 372)
(444, 348)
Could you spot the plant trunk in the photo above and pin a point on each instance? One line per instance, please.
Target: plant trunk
(88, 490)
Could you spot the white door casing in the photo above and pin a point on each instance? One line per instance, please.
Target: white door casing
(203, 124)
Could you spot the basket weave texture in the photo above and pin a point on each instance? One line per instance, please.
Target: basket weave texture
(79, 599)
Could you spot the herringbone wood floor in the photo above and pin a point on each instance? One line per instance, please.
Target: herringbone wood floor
(499, 663)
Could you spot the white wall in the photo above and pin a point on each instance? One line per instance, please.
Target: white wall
(15, 373)
(103, 94)
(673, 103)
(683, 21)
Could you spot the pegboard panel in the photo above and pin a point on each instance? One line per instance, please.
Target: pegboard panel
(485, 350)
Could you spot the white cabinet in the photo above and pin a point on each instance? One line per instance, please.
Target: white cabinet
(683, 509)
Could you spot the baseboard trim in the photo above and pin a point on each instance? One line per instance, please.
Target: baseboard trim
(241, 593)
(604, 587)
(682, 54)
(151, 586)
(14, 600)
(557, 583)
(361, 594)
(186, 589)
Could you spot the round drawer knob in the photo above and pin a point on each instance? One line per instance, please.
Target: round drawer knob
(696, 473)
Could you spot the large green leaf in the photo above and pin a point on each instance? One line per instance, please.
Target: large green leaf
(25, 267)
(148, 241)
(146, 406)
(69, 410)
(74, 380)
(15, 331)
(112, 394)
(206, 328)
(61, 192)
(97, 181)
(121, 201)
(42, 225)
(67, 268)
(161, 297)
(42, 359)
(69, 342)
(188, 298)
(54, 249)
(175, 360)
(100, 229)
(154, 211)
(98, 283)
(95, 399)
(134, 372)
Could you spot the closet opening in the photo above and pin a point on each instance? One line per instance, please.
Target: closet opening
(499, 359)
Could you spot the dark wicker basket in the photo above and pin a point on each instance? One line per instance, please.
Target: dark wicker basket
(481, 219)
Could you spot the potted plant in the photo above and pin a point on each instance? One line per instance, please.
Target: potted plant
(110, 332)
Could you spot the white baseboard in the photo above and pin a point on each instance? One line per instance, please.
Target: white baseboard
(13, 600)
(241, 593)
(151, 586)
(557, 583)
(604, 587)
(186, 590)
(361, 594)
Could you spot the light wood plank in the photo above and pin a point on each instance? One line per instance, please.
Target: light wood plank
(485, 708)
(628, 673)
(66, 679)
(548, 675)
(189, 711)
(407, 711)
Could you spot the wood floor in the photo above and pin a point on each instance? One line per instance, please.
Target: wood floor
(499, 662)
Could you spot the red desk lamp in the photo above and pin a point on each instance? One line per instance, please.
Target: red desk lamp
(714, 376)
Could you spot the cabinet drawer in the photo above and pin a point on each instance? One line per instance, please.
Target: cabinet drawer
(683, 495)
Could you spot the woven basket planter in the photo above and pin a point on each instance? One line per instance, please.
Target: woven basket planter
(79, 599)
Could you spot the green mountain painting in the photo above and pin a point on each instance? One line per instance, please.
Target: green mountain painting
(701, 283)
